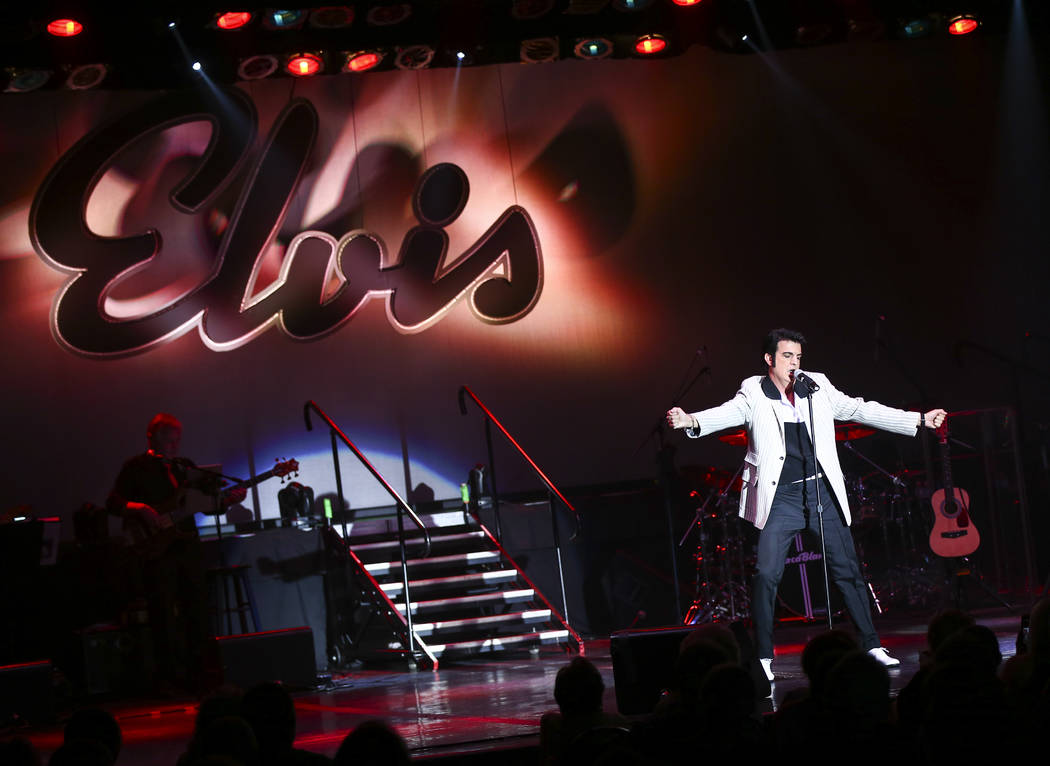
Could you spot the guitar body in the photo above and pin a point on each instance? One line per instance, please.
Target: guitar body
(151, 540)
(953, 531)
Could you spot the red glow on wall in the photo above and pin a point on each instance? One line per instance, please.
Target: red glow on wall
(650, 44)
(65, 28)
(963, 25)
(303, 65)
(233, 20)
(362, 62)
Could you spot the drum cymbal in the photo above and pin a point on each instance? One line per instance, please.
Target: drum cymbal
(850, 431)
(711, 476)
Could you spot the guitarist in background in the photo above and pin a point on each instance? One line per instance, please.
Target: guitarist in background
(146, 490)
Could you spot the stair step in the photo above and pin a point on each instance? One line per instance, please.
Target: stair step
(474, 557)
(429, 628)
(416, 539)
(504, 597)
(499, 643)
(486, 578)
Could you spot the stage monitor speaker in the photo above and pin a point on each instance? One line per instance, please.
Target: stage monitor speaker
(26, 694)
(273, 655)
(643, 666)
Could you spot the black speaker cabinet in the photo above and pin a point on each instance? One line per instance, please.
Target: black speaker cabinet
(26, 693)
(273, 655)
(643, 665)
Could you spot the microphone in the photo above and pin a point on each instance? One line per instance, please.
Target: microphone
(803, 385)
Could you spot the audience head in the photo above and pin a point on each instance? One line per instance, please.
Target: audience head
(372, 743)
(715, 633)
(81, 752)
(695, 663)
(578, 688)
(270, 711)
(1039, 629)
(975, 646)
(821, 654)
(944, 624)
(99, 725)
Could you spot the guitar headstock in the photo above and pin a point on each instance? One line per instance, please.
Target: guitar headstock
(284, 468)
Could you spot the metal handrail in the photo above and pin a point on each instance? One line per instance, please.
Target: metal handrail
(538, 471)
(402, 507)
(312, 405)
(552, 492)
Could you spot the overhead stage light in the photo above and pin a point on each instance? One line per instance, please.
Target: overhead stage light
(686, 3)
(963, 25)
(414, 57)
(86, 76)
(257, 67)
(332, 17)
(630, 5)
(282, 19)
(538, 50)
(65, 28)
(25, 80)
(593, 48)
(362, 61)
(523, 10)
(304, 64)
(388, 15)
(649, 45)
(913, 29)
(232, 20)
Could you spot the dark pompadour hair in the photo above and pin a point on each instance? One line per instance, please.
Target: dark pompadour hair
(773, 337)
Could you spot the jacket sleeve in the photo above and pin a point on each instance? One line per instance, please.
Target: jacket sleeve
(733, 414)
(869, 413)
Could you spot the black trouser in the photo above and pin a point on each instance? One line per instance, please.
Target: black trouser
(787, 517)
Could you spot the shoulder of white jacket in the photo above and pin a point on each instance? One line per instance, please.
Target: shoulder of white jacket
(749, 384)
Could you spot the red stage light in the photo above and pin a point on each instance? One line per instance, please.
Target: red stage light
(65, 28)
(303, 65)
(362, 61)
(686, 3)
(650, 44)
(233, 20)
(962, 25)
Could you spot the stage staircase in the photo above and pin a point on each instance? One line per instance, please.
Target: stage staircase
(467, 597)
(438, 586)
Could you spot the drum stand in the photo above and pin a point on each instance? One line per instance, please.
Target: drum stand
(706, 601)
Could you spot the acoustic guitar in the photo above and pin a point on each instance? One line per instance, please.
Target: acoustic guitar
(151, 537)
(954, 533)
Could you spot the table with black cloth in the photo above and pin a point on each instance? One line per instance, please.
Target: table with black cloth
(286, 577)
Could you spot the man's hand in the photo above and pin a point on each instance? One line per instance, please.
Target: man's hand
(679, 418)
(143, 515)
(934, 418)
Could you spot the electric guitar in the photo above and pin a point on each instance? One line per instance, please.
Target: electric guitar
(151, 536)
(953, 531)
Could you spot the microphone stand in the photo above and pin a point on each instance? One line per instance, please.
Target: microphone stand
(809, 389)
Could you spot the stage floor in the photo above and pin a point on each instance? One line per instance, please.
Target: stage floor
(482, 704)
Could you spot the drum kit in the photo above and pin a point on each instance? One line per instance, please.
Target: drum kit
(889, 527)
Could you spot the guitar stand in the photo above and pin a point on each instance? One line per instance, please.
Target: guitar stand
(962, 567)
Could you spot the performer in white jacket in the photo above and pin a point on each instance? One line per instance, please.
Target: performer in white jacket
(780, 475)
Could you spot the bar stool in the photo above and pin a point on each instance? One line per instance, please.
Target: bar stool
(221, 580)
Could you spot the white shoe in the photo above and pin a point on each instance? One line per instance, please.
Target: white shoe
(767, 667)
(883, 658)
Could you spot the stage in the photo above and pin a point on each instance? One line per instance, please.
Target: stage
(482, 709)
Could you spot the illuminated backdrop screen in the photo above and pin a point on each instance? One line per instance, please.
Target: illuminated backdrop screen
(570, 240)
